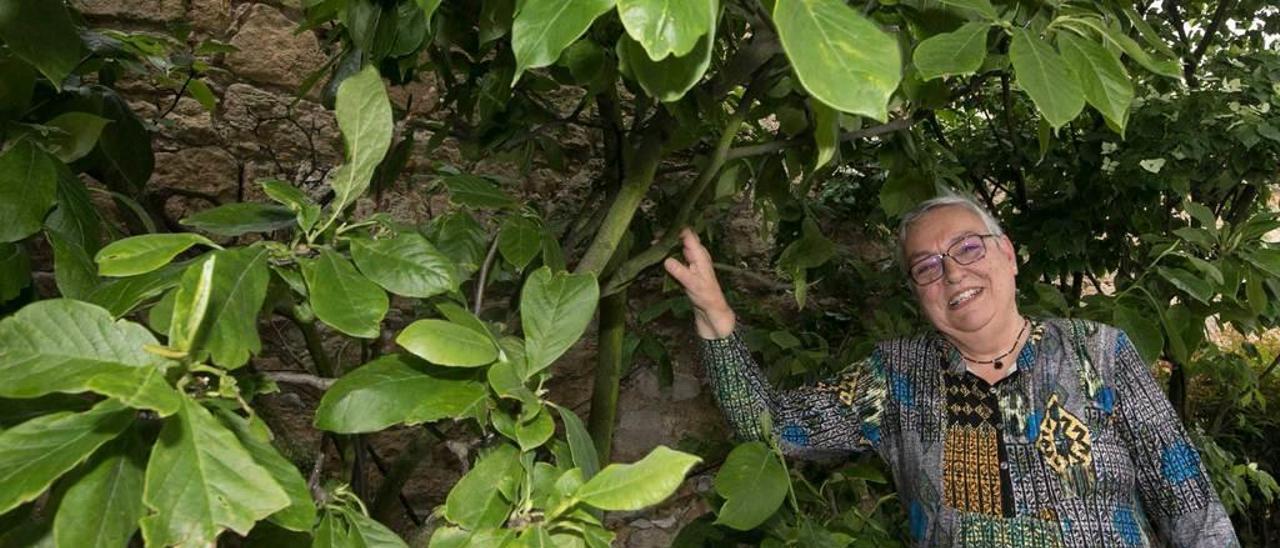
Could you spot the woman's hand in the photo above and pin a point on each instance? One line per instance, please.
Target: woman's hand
(712, 315)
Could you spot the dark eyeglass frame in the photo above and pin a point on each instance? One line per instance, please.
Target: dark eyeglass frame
(942, 257)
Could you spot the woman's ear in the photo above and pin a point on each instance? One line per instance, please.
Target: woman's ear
(1010, 252)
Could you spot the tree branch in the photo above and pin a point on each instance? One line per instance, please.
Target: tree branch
(1219, 16)
(484, 276)
(305, 379)
(775, 146)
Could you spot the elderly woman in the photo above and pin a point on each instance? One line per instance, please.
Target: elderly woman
(1000, 430)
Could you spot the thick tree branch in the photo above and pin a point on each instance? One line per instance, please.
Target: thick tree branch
(1219, 16)
(775, 146)
(305, 379)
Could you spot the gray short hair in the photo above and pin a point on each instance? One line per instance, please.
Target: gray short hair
(950, 198)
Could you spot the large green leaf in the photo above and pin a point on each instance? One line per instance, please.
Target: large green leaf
(76, 216)
(519, 240)
(754, 483)
(342, 298)
(241, 218)
(253, 434)
(28, 188)
(555, 309)
(121, 295)
(462, 238)
(239, 286)
(1046, 78)
(953, 53)
(36, 452)
(102, 508)
(581, 447)
(364, 116)
(1143, 330)
(15, 270)
(981, 7)
(41, 33)
(365, 531)
(841, 57)
(826, 133)
(307, 211)
(1106, 84)
(187, 326)
(668, 79)
(446, 343)
(643, 483)
(61, 345)
(74, 272)
(477, 192)
(1264, 258)
(77, 133)
(201, 480)
(405, 265)
(142, 254)
(667, 27)
(476, 501)
(542, 29)
(1193, 285)
(397, 389)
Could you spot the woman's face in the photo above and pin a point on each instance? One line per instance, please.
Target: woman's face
(966, 298)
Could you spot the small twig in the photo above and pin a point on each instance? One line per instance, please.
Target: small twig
(177, 97)
(307, 379)
(313, 481)
(761, 279)
(775, 146)
(484, 276)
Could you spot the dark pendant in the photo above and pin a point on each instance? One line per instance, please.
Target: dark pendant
(999, 364)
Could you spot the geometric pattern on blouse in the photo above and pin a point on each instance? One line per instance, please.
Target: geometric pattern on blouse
(1077, 446)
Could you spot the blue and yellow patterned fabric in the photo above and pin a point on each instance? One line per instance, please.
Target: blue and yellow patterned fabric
(1076, 447)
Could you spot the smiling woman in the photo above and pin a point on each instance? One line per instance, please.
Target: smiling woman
(1072, 443)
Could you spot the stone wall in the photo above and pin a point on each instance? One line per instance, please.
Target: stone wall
(261, 130)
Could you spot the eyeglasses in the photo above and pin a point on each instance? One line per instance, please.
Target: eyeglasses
(967, 251)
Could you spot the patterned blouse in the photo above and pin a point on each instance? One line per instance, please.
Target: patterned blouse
(1077, 446)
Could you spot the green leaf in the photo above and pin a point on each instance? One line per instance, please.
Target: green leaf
(364, 116)
(201, 480)
(73, 269)
(17, 84)
(79, 133)
(1188, 282)
(121, 295)
(446, 343)
(102, 507)
(1051, 85)
(495, 19)
(190, 304)
(253, 434)
(826, 131)
(61, 345)
(342, 298)
(36, 452)
(842, 58)
(28, 187)
(397, 389)
(200, 91)
(307, 211)
(241, 218)
(145, 253)
(15, 270)
(542, 29)
(41, 33)
(643, 483)
(463, 239)
(555, 310)
(76, 218)
(754, 483)
(981, 7)
(476, 501)
(477, 192)
(669, 79)
(1105, 82)
(239, 288)
(18, 411)
(519, 240)
(365, 531)
(1255, 294)
(580, 444)
(667, 27)
(1143, 329)
(1266, 259)
(123, 159)
(405, 265)
(1162, 66)
(533, 433)
(953, 53)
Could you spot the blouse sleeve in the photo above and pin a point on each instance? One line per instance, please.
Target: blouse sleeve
(1174, 487)
(840, 415)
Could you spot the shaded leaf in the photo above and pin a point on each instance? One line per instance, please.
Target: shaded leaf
(253, 434)
(477, 192)
(543, 29)
(41, 33)
(1105, 83)
(952, 53)
(397, 389)
(102, 508)
(754, 483)
(476, 501)
(343, 298)
(555, 310)
(405, 265)
(241, 218)
(28, 187)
